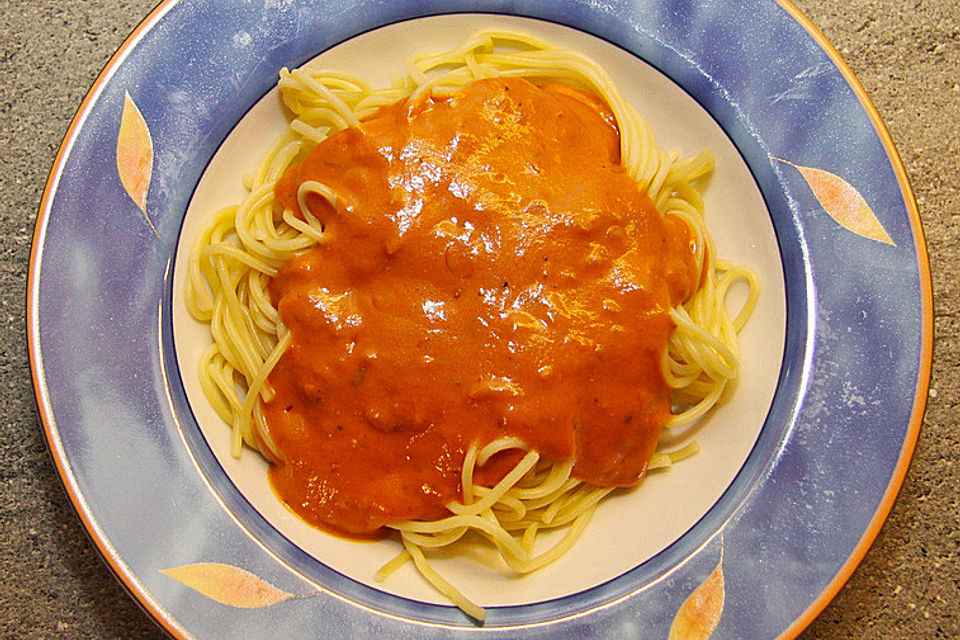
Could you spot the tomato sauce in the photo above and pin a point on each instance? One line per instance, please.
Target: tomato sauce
(490, 270)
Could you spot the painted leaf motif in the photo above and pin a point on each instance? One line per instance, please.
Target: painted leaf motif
(134, 153)
(135, 156)
(700, 612)
(228, 584)
(843, 202)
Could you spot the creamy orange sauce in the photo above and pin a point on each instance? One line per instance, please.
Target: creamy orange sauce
(491, 270)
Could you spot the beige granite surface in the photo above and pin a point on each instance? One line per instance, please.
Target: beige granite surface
(53, 584)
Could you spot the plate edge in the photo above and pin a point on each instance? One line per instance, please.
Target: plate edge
(925, 364)
(108, 554)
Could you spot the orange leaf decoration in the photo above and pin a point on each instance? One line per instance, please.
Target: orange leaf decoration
(843, 202)
(135, 156)
(700, 612)
(228, 585)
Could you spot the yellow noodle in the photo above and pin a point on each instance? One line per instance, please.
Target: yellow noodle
(442, 585)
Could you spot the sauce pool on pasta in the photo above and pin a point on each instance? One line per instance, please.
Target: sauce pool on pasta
(490, 271)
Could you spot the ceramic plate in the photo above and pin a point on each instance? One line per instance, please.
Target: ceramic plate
(797, 469)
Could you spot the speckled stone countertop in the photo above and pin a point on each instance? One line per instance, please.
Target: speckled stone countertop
(54, 585)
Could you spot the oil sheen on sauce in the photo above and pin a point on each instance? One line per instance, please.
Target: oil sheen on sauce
(490, 270)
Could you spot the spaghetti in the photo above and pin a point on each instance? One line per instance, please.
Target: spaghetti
(302, 216)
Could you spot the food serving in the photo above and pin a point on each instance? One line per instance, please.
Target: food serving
(465, 304)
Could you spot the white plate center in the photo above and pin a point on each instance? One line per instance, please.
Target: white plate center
(628, 528)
